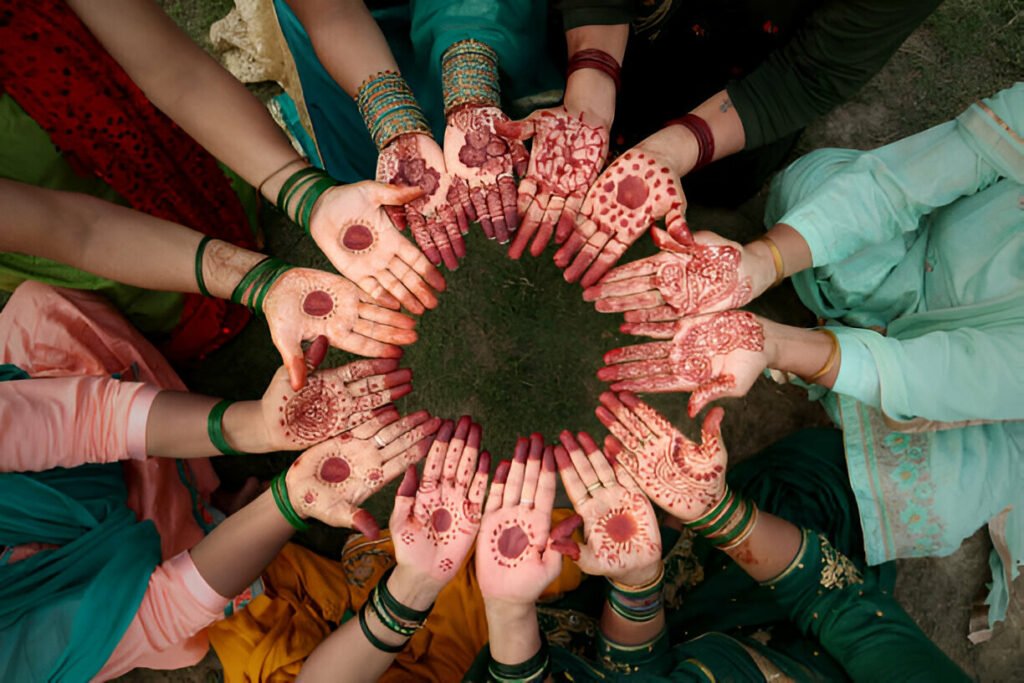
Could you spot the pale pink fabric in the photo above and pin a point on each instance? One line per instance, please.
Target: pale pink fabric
(61, 333)
(177, 605)
(69, 421)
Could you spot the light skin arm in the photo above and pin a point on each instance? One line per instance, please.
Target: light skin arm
(769, 550)
(800, 351)
(192, 89)
(590, 91)
(176, 427)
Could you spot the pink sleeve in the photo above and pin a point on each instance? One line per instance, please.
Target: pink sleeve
(69, 421)
(167, 631)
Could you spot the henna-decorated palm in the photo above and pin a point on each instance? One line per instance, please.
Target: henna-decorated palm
(721, 354)
(619, 526)
(637, 189)
(566, 157)
(331, 480)
(332, 402)
(437, 223)
(305, 304)
(684, 478)
(518, 553)
(434, 524)
(352, 229)
(482, 164)
(704, 275)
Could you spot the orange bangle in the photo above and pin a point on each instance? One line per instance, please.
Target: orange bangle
(780, 268)
(832, 356)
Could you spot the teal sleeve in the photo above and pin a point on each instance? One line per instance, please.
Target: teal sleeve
(858, 375)
(833, 54)
(513, 28)
(576, 13)
(863, 628)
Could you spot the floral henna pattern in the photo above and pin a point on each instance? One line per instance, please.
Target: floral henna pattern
(692, 354)
(706, 277)
(401, 163)
(315, 413)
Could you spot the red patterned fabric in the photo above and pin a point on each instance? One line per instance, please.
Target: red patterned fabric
(103, 125)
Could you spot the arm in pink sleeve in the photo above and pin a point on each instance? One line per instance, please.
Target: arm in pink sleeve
(177, 606)
(69, 421)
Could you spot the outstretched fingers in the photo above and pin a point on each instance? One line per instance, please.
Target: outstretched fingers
(496, 496)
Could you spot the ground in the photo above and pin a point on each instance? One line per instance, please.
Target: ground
(515, 347)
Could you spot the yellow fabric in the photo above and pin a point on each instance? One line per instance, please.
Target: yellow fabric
(307, 596)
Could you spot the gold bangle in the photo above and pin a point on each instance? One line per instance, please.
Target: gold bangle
(639, 589)
(780, 267)
(745, 534)
(832, 356)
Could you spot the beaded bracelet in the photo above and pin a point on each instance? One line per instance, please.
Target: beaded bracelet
(279, 489)
(536, 668)
(307, 184)
(215, 428)
(702, 132)
(389, 108)
(374, 640)
(200, 252)
(469, 76)
(599, 60)
(254, 286)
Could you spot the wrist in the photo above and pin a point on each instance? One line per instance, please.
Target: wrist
(640, 576)
(760, 262)
(519, 629)
(676, 146)
(592, 93)
(244, 428)
(413, 588)
(271, 185)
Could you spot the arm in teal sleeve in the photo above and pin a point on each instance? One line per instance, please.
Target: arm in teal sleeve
(858, 375)
(886, 192)
(576, 13)
(837, 50)
(981, 372)
(864, 629)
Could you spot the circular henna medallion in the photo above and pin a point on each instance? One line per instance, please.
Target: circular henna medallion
(318, 303)
(314, 413)
(512, 542)
(335, 470)
(358, 238)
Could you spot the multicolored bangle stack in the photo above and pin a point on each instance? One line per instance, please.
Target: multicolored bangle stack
(596, 59)
(306, 185)
(469, 76)
(215, 428)
(729, 523)
(395, 616)
(534, 669)
(389, 108)
(702, 132)
(252, 289)
(637, 603)
(279, 489)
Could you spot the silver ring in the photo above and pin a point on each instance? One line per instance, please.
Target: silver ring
(526, 501)
(379, 441)
(593, 487)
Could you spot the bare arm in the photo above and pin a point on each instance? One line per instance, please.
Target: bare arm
(588, 90)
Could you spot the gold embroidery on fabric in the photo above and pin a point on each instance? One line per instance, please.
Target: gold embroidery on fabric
(566, 623)
(683, 570)
(703, 669)
(837, 571)
(652, 22)
(771, 673)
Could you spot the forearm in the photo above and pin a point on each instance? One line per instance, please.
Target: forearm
(519, 630)
(803, 352)
(590, 91)
(242, 546)
(679, 146)
(178, 427)
(770, 548)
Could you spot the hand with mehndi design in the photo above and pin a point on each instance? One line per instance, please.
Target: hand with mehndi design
(684, 478)
(721, 354)
(436, 221)
(566, 157)
(619, 527)
(637, 189)
(482, 164)
(334, 400)
(435, 522)
(305, 303)
(350, 226)
(704, 275)
(331, 480)
(518, 553)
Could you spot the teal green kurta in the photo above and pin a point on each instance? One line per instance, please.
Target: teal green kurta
(924, 239)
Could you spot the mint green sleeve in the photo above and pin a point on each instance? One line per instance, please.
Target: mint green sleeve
(862, 628)
(513, 28)
(884, 193)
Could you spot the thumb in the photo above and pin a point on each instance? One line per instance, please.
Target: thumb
(364, 523)
(516, 130)
(665, 241)
(405, 498)
(675, 222)
(712, 426)
(395, 195)
(296, 369)
(316, 353)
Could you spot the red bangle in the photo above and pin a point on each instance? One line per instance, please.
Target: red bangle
(596, 59)
(702, 131)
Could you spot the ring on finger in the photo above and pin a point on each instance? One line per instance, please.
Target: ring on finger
(379, 441)
(526, 501)
(593, 487)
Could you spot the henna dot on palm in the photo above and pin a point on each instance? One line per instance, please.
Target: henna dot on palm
(512, 542)
(318, 303)
(357, 238)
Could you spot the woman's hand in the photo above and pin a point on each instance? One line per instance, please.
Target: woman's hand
(721, 354)
(637, 189)
(352, 229)
(482, 164)
(684, 478)
(704, 275)
(437, 222)
(567, 155)
(333, 401)
(306, 303)
(434, 522)
(619, 526)
(330, 481)
(518, 553)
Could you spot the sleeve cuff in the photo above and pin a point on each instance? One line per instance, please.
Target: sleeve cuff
(138, 419)
(182, 565)
(858, 375)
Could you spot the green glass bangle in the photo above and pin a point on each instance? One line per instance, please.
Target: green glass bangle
(289, 184)
(247, 280)
(374, 640)
(200, 251)
(215, 428)
(729, 537)
(309, 199)
(386, 618)
(392, 604)
(279, 489)
(719, 523)
(714, 512)
(535, 668)
(260, 292)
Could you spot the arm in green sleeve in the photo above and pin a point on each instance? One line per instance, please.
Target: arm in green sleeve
(838, 49)
(864, 629)
(576, 13)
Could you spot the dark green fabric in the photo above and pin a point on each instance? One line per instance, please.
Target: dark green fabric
(576, 13)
